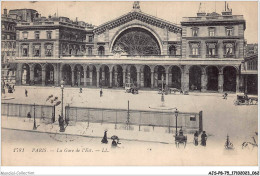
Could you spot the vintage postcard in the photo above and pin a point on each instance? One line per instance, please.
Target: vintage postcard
(129, 83)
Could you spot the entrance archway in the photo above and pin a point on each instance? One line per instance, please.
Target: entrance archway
(49, 80)
(212, 73)
(78, 75)
(229, 73)
(37, 74)
(25, 77)
(159, 71)
(104, 76)
(176, 77)
(195, 78)
(66, 74)
(117, 76)
(147, 76)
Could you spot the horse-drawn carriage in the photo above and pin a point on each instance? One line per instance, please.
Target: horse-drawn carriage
(245, 100)
(180, 139)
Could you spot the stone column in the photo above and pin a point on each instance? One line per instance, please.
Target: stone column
(245, 83)
(18, 75)
(155, 79)
(152, 79)
(72, 77)
(32, 74)
(85, 77)
(170, 79)
(128, 77)
(220, 82)
(138, 79)
(110, 78)
(43, 76)
(98, 78)
(123, 78)
(237, 83)
(142, 79)
(167, 79)
(203, 82)
(185, 79)
(116, 82)
(90, 77)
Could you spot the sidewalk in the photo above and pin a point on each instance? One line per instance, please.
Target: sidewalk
(95, 130)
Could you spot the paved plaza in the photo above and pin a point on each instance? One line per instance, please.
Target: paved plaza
(220, 118)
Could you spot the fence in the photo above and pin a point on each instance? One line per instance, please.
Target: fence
(21, 110)
(188, 121)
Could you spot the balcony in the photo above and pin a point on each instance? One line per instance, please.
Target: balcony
(211, 56)
(194, 56)
(229, 56)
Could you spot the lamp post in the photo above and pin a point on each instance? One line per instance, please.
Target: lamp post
(176, 112)
(61, 120)
(162, 98)
(34, 121)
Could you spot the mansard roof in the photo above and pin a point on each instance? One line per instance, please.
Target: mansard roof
(139, 16)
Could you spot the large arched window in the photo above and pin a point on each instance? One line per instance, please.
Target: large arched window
(136, 41)
(101, 51)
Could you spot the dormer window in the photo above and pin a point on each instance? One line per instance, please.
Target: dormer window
(229, 31)
(212, 32)
(195, 31)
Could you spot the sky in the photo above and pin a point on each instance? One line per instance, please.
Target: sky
(99, 12)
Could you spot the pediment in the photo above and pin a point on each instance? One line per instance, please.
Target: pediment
(135, 15)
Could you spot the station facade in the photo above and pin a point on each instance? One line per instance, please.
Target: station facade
(203, 54)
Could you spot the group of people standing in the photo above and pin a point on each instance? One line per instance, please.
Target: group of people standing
(203, 138)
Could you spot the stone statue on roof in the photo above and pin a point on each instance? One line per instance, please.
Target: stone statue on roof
(136, 6)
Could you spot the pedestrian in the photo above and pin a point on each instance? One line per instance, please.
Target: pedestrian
(80, 90)
(29, 115)
(203, 139)
(196, 137)
(60, 120)
(101, 93)
(104, 140)
(225, 95)
(26, 93)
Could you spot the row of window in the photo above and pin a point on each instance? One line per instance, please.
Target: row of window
(36, 52)
(252, 65)
(8, 37)
(212, 31)
(9, 45)
(37, 35)
(8, 27)
(9, 53)
(212, 49)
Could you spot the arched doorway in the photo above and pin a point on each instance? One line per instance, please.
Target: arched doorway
(117, 76)
(78, 75)
(195, 78)
(25, 74)
(212, 74)
(147, 76)
(229, 73)
(66, 74)
(94, 75)
(37, 74)
(176, 77)
(49, 80)
(104, 76)
(133, 75)
(159, 72)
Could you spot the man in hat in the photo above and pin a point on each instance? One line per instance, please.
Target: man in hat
(203, 138)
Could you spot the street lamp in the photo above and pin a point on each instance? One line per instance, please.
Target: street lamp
(34, 121)
(61, 122)
(176, 112)
(162, 98)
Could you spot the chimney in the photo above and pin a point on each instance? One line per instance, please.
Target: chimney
(5, 11)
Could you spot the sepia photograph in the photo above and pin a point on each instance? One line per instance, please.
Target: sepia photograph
(129, 83)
